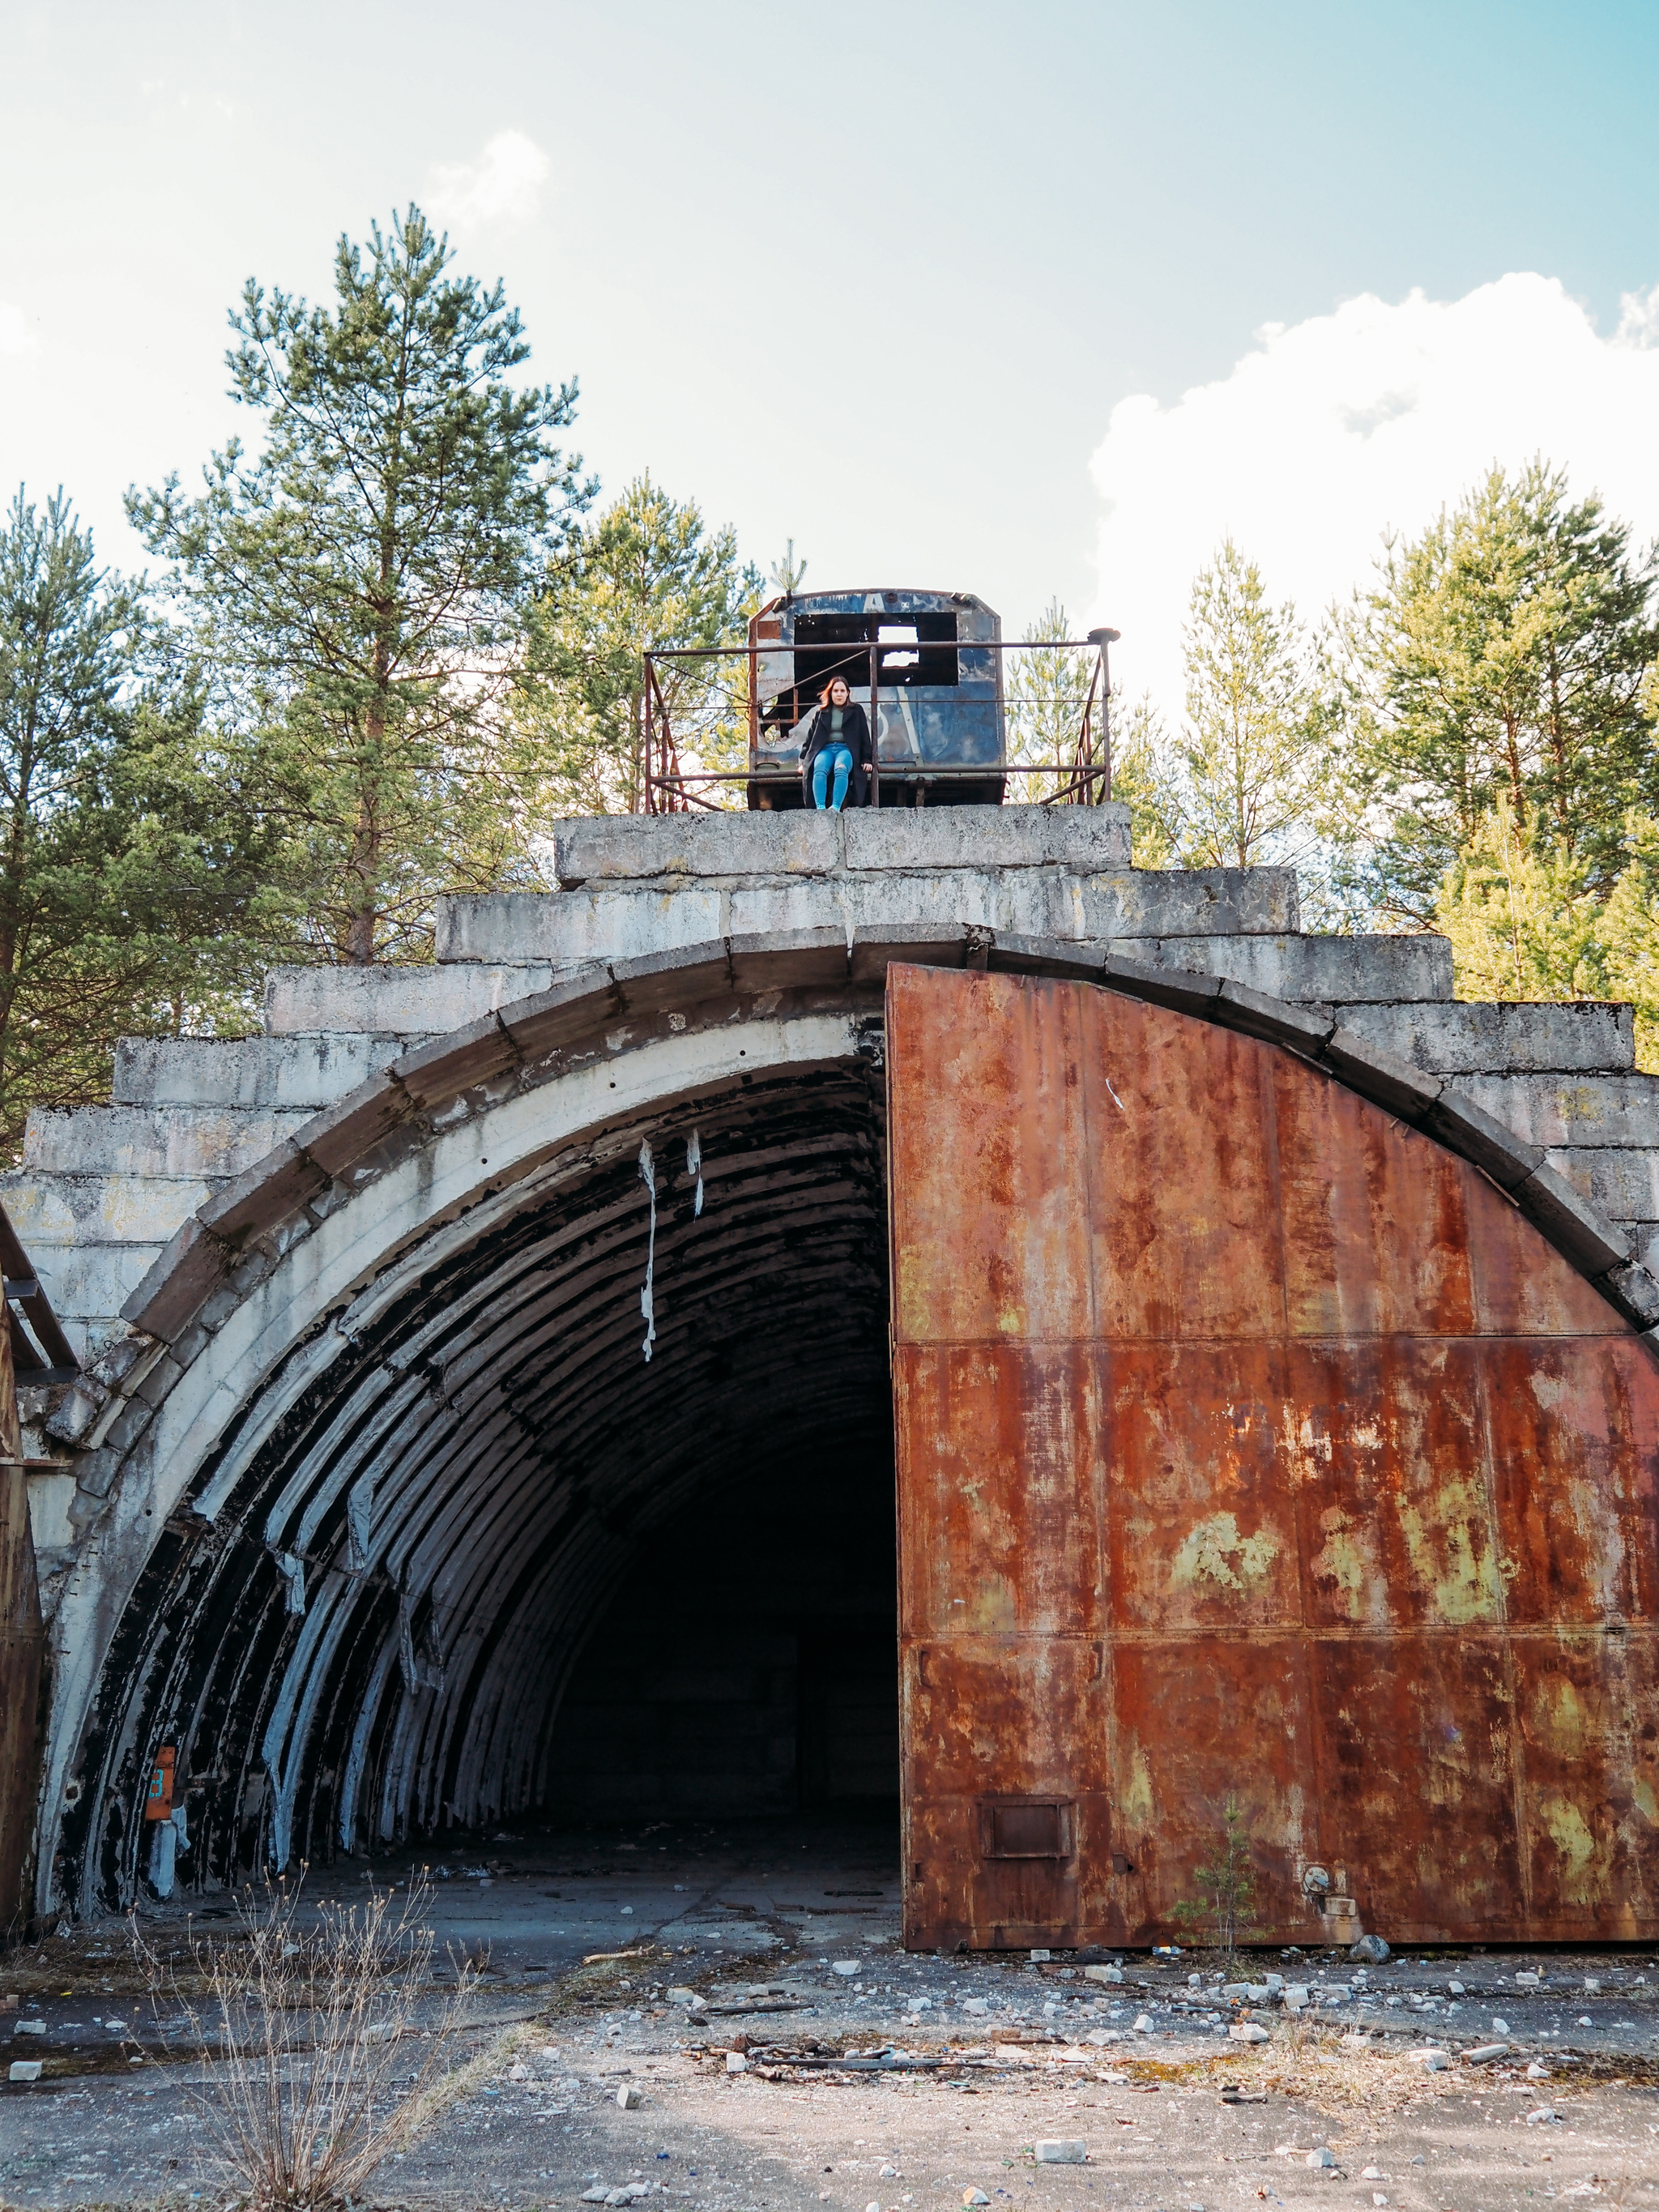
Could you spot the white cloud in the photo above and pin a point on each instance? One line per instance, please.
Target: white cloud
(503, 185)
(1373, 417)
(15, 335)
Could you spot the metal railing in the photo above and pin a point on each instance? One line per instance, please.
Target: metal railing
(1084, 774)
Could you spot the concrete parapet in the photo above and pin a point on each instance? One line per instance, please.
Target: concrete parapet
(305, 1071)
(91, 1282)
(1313, 970)
(567, 929)
(612, 848)
(153, 1140)
(571, 928)
(100, 1209)
(411, 1003)
(1082, 840)
(1579, 1110)
(1624, 1182)
(1501, 1040)
(631, 847)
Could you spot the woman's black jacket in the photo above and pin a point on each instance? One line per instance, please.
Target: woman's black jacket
(854, 735)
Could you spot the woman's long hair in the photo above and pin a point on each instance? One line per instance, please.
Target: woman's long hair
(824, 699)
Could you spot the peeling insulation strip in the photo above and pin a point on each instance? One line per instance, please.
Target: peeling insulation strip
(694, 1167)
(295, 1571)
(647, 1303)
(360, 1504)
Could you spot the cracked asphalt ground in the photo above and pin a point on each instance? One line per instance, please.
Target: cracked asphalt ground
(966, 2064)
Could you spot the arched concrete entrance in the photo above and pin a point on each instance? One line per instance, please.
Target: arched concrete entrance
(395, 1440)
(384, 1443)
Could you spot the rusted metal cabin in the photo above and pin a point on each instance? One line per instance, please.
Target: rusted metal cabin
(933, 662)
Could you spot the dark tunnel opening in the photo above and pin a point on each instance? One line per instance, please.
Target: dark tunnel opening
(471, 1557)
(749, 1664)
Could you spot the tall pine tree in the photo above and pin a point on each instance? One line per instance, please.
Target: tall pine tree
(356, 586)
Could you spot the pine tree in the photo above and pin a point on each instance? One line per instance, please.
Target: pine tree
(646, 573)
(355, 586)
(1504, 651)
(1523, 921)
(130, 886)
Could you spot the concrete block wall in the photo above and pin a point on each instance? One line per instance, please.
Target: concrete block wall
(102, 1188)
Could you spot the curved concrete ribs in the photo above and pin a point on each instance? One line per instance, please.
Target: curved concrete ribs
(383, 1436)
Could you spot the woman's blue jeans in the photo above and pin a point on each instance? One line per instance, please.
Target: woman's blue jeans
(839, 758)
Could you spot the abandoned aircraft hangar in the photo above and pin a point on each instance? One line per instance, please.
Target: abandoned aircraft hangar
(496, 1374)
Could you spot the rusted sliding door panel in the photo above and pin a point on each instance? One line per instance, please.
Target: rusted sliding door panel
(1416, 1780)
(1004, 1516)
(1015, 1267)
(996, 1849)
(1187, 1742)
(1254, 1452)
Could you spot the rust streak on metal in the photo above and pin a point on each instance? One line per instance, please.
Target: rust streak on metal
(1252, 1448)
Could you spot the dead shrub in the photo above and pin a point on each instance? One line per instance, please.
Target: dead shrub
(318, 2061)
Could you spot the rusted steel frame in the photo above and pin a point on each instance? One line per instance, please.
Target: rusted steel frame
(665, 777)
(875, 723)
(895, 773)
(1106, 719)
(961, 645)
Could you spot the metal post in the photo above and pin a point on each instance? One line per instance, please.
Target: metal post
(1102, 639)
(650, 795)
(875, 758)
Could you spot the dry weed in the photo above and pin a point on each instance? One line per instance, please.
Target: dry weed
(317, 2065)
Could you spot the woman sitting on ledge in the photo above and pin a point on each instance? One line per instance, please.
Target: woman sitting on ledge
(837, 744)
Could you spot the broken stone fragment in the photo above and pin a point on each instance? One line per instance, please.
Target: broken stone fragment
(628, 2099)
(1061, 2151)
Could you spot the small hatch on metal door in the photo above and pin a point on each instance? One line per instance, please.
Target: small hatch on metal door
(1026, 1828)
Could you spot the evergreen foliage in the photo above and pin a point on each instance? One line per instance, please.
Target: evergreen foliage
(130, 894)
(646, 573)
(354, 588)
(1505, 652)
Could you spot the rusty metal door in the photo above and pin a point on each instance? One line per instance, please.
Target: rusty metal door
(1261, 1469)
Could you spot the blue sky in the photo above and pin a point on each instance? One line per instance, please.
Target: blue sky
(877, 277)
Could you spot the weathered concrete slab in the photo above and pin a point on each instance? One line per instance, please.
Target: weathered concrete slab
(615, 848)
(1312, 970)
(153, 1140)
(413, 1004)
(91, 1282)
(567, 928)
(258, 1071)
(1623, 1184)
(1190, 902)
(1503, 1040)
(1082, 840)
(1581, 1110)
(625, 847)
(100, 1209)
